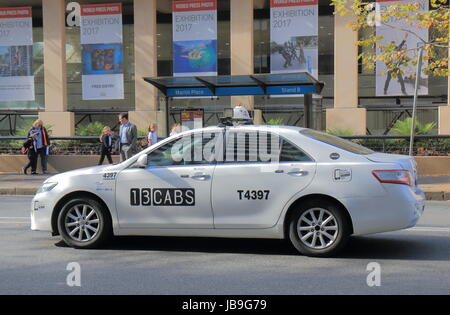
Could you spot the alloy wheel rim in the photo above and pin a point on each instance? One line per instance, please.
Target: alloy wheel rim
(317, 228)
(82, 223)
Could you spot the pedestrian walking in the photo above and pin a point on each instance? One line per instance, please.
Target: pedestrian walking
(28, 146)
(152, 134)
(127, 138)
(41, 142)
(106, 138)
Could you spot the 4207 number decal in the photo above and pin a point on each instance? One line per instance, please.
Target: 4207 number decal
(254, 194)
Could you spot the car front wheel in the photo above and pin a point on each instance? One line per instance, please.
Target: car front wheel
(84, 223)
(319, 229)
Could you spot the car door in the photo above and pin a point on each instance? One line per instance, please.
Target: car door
(249, 192)
(173, 191)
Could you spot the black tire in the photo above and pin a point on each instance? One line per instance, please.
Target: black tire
(319, 243)
(99, 221)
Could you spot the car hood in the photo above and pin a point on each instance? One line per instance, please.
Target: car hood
(86, 171)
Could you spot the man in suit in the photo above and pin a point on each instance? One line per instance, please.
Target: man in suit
(127, 138)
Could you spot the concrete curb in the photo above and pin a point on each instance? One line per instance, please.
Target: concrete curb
(18, 191)
(438, 195)
(31, 191)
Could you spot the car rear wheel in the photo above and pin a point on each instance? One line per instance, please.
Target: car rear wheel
(84, 223)
(319, 228)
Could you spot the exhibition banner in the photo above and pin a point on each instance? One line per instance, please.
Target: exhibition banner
(102, 51)
(403, 84)
(16, 54)
(294, 37)
(194, 37)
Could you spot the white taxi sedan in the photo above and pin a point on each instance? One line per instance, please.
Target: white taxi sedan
(276, 182)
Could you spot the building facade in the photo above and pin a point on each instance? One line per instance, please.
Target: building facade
(348, 101)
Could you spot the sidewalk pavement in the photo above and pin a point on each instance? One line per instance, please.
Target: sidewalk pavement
(435, 187)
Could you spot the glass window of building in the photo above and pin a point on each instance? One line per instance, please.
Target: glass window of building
(289, 110)
(75, 66)
(213, 107)
(383, 111)
(35, 56)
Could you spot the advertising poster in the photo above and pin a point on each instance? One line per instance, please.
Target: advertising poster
(404, 84)
(294, 36)
(102, 51)
(192, 119)
(16, 55)
(194, 37)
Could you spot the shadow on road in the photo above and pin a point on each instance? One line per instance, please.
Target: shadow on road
(399, 247)
(381, 246)
(204, 245)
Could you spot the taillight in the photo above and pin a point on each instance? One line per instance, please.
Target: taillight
(394, 177)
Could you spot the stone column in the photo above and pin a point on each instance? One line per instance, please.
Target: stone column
(346, 114)
(145, 60)
(241, 28)
(55, 73)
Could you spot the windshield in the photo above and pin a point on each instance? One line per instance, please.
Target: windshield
(336, 141)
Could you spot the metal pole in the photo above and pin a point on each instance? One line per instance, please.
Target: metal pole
(167, 116)
(416, 91)
(307, 98)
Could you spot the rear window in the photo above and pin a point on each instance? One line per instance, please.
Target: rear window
(336, 141)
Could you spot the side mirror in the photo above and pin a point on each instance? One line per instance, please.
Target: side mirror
(142, 161)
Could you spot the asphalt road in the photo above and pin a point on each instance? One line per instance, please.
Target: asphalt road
(415, 261)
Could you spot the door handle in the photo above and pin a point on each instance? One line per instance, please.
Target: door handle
(298, 173)
(201, 177)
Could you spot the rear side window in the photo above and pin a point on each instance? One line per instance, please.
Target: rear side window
(290, 153)
(336, 141)
(252, 146)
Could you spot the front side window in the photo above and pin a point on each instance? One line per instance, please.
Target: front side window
(194, 149)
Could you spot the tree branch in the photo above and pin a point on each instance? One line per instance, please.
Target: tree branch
(405, 30)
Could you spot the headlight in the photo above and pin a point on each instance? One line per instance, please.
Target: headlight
(47, 187)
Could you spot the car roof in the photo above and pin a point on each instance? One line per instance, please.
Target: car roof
(253, 127)
(279, 128)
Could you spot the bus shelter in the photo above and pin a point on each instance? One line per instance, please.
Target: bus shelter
(287, 84)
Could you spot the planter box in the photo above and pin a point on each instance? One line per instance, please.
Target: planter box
(433, 165)
(55, 163)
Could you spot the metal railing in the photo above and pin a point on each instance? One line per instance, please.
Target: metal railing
(90, 145)
(78, 145)
(424, 145)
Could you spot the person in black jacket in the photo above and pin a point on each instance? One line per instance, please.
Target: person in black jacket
(31, 154)
(106, 138)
